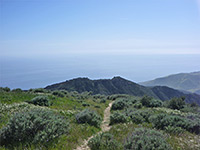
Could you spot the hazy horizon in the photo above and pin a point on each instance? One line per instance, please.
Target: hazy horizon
(38, 72)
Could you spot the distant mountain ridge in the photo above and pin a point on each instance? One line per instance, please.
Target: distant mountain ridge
(189, 82)
(118, 85)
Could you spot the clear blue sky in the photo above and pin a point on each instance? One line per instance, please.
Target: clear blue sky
(41, 27)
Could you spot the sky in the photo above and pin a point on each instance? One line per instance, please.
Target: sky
(48, 41)
(63, 27)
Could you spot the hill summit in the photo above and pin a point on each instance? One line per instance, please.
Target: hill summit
(119, 85)
(189, 82)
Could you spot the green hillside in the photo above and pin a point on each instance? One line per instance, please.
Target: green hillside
(118, 85)
(62, 120)
(184, 81)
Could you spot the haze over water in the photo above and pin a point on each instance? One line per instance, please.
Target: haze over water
(38, 72)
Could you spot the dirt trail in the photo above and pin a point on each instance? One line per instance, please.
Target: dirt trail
(106, 119)
(104, 127)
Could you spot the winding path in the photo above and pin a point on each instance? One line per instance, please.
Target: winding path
(104, 127)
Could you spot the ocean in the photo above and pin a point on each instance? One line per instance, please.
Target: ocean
(35, 72)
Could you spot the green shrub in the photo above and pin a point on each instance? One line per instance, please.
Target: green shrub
(4, 89)
(194, 104)
(103, 100)
(139, 116)
(146, 139)
(117, 96)
(161, 121)
(58, 93)
(146, 100)
(97, 106)
(150, 102)
(194, 120)
(64, 92)
(156, 103)
(84, 104)
(189, 123)
(40, 100)
(40, 90)
(90, 117)
(119, 104)
(17, 90)
(177, 103)
(117, 117)
(33, 126)
(98, 96)
(188, 108)
(137, 105)
(103, 141)
(174, 130)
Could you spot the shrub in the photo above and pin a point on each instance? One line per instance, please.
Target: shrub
(156, 103)
(103, 100)
(97, 106)
(133, 100)
(85, 104)
(117, 117)
(119, 104)
(17, 90)
(146, 100)
(58, 93)
(64, 91)
(146, 139)
(177, 103)
(194, 120)
(174, 130)
(150, 102)
(103, 141)
(194, 104)
(5, 89)
(137, 105)
(98, 96)
(189, 108)
(40, 100)
(40, 90)
(33, 126)
(90, 117)
(139, 116)
(117, 96)
(161, 121)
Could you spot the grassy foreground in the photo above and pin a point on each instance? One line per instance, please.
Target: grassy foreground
(136, 121)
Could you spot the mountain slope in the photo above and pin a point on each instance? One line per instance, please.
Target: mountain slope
(166, 93)
(184, 81)
(118, 85)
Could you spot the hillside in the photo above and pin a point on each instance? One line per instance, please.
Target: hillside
(183, 81)
(118, 85)
(81, 121)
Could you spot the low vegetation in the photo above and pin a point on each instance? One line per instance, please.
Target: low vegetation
(103, 141)
(146, 139)
(43, 119)
(33, 126)
(155, 124)
(40, 100)
(90, 117)
(117, 117)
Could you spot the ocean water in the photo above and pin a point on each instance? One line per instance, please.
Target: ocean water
(35, 72)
